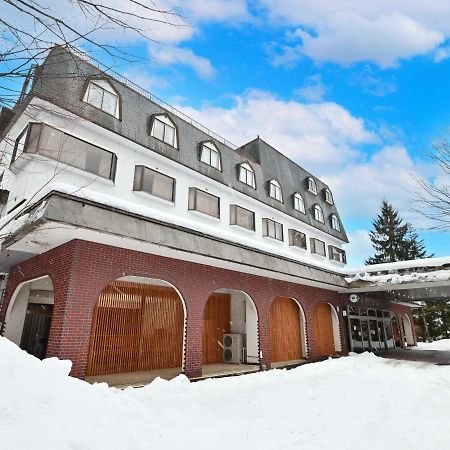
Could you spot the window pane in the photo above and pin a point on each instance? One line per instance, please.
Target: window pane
(95, 95)
(109, 103)
(245, 218)
(320, 247)
(242, 175)
(214, 159)
(33, 138)
(50, 142)
(204, 202)
(297, 239)
(163, 186)
(154, 183)
(158, 129)
(74, 152)
(278, 231)
(169, 134)
(206, 157)
(271, 228)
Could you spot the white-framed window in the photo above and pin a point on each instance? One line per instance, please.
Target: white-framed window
(204, 202)
(275, 190)
(102, 95)
(329, 197)
(209, 154)
(247, 175)
(272, 229)
(154, 183)
(337, 254)
(242, 217)
(335, 224)
(297, 239)
(317, 247)
(312, 186)
(318, 213)
(164, 130)
(299, 203)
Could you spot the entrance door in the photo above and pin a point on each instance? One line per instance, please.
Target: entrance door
(216, 323)
(284, 330)
(323, 324)
(136, 327)
(36, 329)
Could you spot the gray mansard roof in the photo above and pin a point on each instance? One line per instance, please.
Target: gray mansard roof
(62, 80)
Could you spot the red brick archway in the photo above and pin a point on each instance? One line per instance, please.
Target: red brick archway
(82, 269)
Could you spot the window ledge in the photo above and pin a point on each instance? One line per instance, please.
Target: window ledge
(161, 201)
(243, 229)
(204, 215)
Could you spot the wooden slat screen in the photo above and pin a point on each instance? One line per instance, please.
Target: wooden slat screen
(216, 323)
(284, 330)
(323, 325)
(136, 327)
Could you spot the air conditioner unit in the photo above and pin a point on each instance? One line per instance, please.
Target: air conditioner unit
(232, 348)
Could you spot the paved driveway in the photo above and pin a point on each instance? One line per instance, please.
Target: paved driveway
(438, 357)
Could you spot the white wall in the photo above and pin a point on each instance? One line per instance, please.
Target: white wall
(15, 315)
(120, 193)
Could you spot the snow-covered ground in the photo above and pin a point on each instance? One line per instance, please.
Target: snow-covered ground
(360, 402)
(443, 344)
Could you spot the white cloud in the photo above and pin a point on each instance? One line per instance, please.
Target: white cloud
(169, 55)
(313, 90)
(325, 139)
(360, 186)
(344, 32)
(317, 136)
(217, 10)
(359, 248)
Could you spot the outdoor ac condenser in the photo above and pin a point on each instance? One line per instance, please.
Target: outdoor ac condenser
(232, 348)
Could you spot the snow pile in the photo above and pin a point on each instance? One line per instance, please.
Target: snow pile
(395, 278)
(443, 344)
(355, 402)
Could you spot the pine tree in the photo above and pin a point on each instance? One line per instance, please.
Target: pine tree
(392, 239)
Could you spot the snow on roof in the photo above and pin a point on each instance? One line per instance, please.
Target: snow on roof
(394, 266)
(397, 278)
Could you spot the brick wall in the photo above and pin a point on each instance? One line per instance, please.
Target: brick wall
(80, 270)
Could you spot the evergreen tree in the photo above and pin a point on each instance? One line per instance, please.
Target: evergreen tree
(392, 239)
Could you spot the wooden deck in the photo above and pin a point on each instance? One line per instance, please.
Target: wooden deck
(139, 379)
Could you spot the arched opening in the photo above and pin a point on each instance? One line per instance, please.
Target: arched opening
(29, 316)
(326, 326)
(287, 331)
(407, 330)
(137, 332)
(230, 333)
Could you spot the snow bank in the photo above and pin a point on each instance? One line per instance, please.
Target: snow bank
(443, 344)
(355, 402)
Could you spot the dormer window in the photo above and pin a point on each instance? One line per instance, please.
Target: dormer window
(299, 203)
(247, 175)
(209, 154)
(329, 197)
(335, 224)
(312, 186)
(318, 213)
(102, 95)
(164, 130)
(275, 190)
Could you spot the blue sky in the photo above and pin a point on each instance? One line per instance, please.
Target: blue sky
(356, 92)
